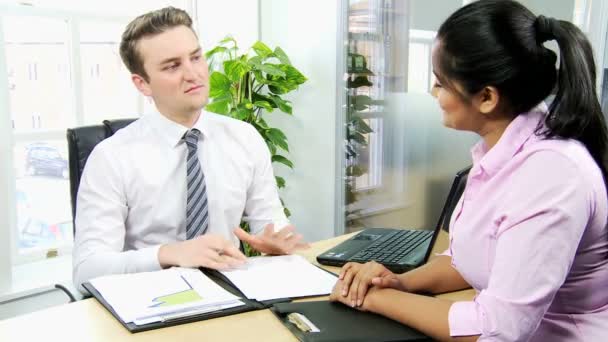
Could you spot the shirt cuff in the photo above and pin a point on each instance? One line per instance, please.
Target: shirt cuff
(146, 259)
(464, 319)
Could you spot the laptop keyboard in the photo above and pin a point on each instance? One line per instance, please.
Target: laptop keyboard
(393, 248)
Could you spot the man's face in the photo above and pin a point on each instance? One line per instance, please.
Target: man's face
(178, 77)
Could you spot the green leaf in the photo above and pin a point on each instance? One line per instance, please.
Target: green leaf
(284, 84)
(284, 106)
(217, 49)
(280, 159)
(242, 113)
(262, 123)
(245, 103)
(362, 126)
(271, 146)
(355, 171)
(286, 211)
(359, 81)
(293, 74)
(358, 137)
(280, 182)
(263, 98)
(261, 49)
(257, 76)
(220, 84)
(278, 89)
(360, 102)
(278, 138)
(255, 61)
(227, 39)
(281, 55)
(264, 104)
(277, 133)
(236, 69)
(219, 107)
(272, 69)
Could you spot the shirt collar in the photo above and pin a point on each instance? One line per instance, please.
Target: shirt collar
(173, 132)
(519, 131)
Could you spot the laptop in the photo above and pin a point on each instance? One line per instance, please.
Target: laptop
(400, 250)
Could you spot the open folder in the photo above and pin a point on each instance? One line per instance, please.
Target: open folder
(151, 300)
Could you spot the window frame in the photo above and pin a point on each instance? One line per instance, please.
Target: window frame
(8, 241)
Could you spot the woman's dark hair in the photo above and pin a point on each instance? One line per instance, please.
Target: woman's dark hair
(499, 43)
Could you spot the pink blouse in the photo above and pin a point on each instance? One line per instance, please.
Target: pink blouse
(530, 235)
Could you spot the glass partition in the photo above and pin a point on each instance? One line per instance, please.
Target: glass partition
(399, 160)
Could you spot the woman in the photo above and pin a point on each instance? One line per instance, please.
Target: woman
(529, 233)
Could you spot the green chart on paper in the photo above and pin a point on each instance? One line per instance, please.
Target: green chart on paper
(177, 298)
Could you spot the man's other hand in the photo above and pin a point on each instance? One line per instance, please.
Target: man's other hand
(209, 250)
(285, 241)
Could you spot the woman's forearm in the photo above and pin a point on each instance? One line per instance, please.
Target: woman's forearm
(437, 276)
(426, 314)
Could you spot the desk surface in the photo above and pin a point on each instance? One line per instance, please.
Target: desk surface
(87, 320)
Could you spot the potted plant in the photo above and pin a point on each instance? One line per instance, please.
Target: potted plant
(357, 131)
(248, 85)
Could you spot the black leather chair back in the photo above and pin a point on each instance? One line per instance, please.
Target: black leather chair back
(114, 125)
(81, 142)
(453, 198)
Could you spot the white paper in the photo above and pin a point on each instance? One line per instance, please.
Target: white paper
(155, 296)
(286, 276)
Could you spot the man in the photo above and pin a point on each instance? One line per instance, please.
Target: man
(169, 189)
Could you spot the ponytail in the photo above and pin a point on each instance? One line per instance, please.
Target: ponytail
(575, 112)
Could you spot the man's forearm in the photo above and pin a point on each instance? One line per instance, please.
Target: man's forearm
(105, 263)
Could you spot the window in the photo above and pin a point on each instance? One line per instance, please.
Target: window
(34, 48)
(63, 70)
(374, 73)
(106, 90)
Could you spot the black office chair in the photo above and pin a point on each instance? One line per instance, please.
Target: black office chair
(455, 197)
(114, 125)
(81, 142)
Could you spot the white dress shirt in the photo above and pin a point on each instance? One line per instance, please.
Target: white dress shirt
(132, 194)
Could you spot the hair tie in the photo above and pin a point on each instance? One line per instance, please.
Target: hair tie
(545, 28)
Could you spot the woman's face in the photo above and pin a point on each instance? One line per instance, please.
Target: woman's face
(455, 111)
(458, 113)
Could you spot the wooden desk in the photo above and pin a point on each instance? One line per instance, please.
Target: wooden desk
(87, 320)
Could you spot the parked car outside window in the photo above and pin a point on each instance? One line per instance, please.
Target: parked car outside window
(45, 159)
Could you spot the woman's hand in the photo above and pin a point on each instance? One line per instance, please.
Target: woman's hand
(356, 279)
(336, 296)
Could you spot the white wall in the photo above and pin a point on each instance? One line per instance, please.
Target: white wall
(430, 14)
(216, 19)
(307, 31)
(560, 9)
(6, 175)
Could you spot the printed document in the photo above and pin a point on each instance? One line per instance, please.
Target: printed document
(285, 276)
(148, 297)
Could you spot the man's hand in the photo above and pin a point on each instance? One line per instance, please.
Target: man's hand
(357, 279)
(209, 250)
(285, 241)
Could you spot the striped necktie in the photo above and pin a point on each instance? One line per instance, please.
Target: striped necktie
(197, 210)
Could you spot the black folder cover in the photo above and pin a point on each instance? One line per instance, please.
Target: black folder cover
(219, 279)
(338, 322)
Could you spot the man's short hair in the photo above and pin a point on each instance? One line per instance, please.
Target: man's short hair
(149, 24)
